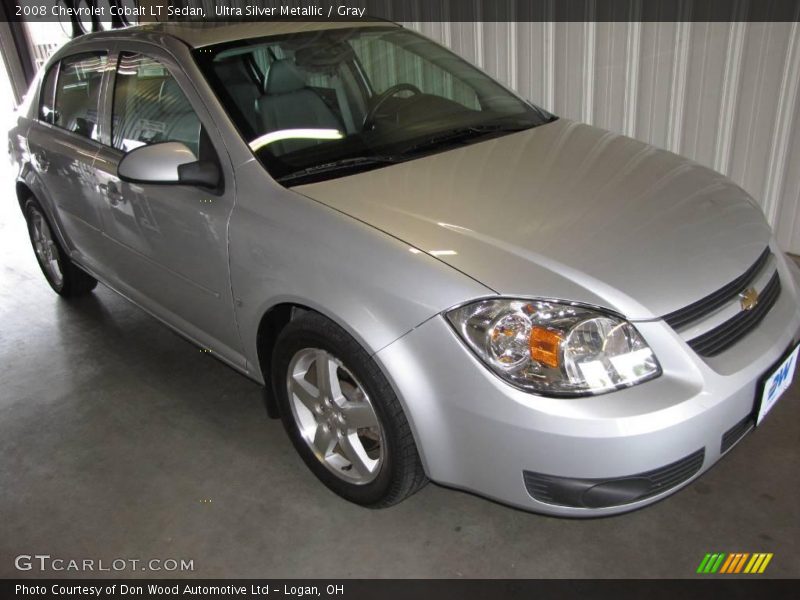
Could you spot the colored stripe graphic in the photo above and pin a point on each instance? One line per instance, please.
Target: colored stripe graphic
(764, 564)
(717, 563)
(734, 563)
(754, 563)
(704, 563)
(739, 564)
(711, 562)
(759, 562)
(726, 566)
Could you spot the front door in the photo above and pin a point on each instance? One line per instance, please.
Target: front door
(168, 244)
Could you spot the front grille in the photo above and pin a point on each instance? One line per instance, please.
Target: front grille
(602, 493)
(735, 433)
(731, 331)
(704, 306)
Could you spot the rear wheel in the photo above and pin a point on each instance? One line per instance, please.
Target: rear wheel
(63, 276)
(342, 415)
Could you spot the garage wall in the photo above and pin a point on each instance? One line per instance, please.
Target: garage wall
(723, 94)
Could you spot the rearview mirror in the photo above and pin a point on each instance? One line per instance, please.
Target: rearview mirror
(167, 162)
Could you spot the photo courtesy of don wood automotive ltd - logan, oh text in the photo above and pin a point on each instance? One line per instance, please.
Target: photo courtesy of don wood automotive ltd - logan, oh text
(399, 299)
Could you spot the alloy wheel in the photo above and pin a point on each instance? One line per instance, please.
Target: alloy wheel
(45, 246)
(335, 416)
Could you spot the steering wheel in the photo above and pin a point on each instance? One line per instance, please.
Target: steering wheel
(383, 97)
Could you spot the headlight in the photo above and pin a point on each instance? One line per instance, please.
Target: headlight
(554, 348)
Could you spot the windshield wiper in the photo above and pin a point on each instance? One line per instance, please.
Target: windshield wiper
(353, 163)
(364, 163)
(461, 134)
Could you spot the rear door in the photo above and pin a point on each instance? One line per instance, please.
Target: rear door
(168, 244)
(63, 143)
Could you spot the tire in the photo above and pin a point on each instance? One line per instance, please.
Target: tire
(61, 273)
(362, 423)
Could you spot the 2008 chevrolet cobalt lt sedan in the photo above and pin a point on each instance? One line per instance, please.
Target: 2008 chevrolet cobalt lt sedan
(433, 278)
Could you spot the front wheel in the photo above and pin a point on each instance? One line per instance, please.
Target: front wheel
(63, 276)
(342, 415)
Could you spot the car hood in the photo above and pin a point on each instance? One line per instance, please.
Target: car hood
(565, 211)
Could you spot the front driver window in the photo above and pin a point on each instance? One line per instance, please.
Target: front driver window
(149, 106)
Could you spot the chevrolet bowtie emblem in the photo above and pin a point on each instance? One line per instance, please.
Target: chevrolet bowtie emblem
(748, 299)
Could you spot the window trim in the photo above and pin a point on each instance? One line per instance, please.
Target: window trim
(55, 67)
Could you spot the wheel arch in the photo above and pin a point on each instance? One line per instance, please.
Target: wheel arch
(275, 316)
(272, 322)
(270, 326)
(23, 193)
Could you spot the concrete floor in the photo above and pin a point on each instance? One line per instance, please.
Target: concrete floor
(120, 440)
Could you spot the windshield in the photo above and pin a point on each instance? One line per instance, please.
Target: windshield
(318, 105)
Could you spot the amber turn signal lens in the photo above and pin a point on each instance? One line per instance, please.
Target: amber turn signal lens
(544, 346)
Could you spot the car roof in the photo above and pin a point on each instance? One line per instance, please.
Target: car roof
(201, 34)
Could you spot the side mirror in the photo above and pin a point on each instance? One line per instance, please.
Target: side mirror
(165, 163)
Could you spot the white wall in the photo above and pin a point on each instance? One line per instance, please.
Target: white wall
(723, 94)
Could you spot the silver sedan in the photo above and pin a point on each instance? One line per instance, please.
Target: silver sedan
(432, 277)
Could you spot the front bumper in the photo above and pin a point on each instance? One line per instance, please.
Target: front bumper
(477, 433)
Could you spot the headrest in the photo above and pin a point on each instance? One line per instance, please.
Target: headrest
(284, 77)
(232, 71)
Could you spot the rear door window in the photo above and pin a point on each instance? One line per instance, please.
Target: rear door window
(149, 106)
(78, 94)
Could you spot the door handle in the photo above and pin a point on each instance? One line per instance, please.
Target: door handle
(40, 161)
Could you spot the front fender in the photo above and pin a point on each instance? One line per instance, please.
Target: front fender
(285, 247)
